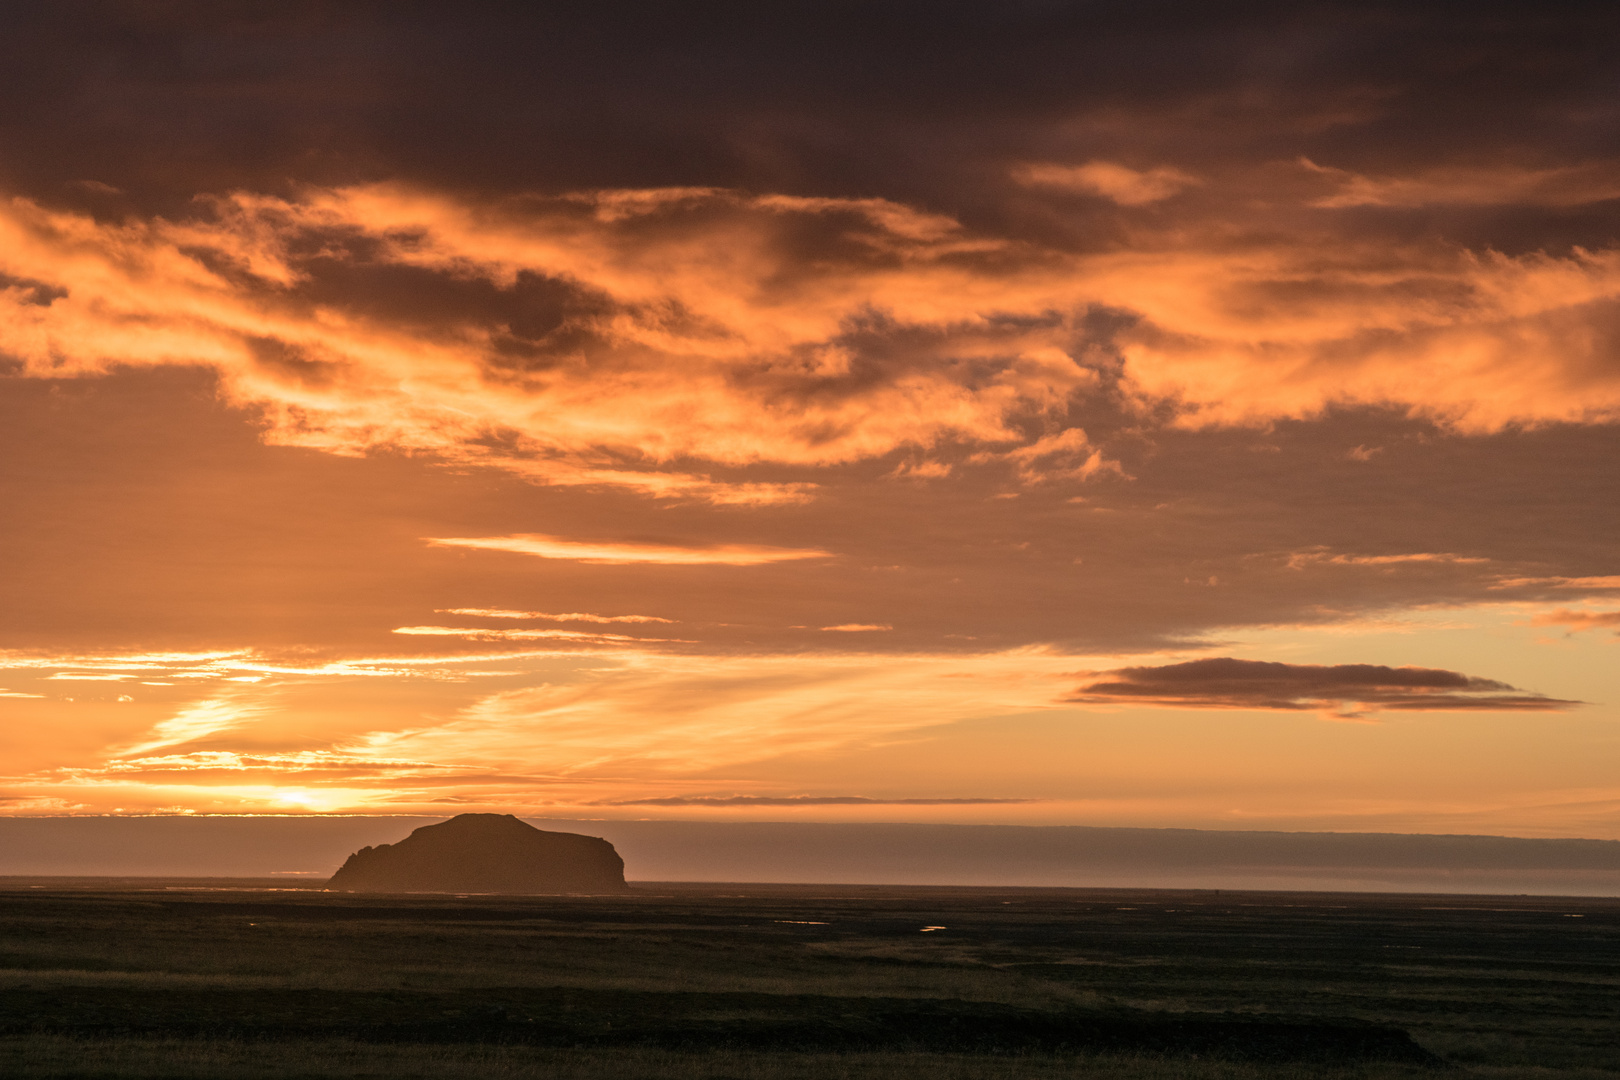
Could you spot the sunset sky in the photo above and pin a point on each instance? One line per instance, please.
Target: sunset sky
(1161, 414)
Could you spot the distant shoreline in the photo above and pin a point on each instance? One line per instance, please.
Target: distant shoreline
(641, 890)
(295, 853)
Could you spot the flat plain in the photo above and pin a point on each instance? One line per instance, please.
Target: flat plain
(239, 979)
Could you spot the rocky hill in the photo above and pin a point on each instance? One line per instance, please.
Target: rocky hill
(484, 853)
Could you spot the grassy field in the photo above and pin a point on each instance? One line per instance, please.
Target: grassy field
(767, 982)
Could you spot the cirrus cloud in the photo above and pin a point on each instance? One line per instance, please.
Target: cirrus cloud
(569, 616)
(664, 554)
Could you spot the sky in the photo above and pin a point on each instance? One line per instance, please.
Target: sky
(1130, 414)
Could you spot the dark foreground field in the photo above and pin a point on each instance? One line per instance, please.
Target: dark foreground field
(774, 982)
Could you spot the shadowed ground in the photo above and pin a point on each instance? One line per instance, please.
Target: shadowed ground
(749, 981)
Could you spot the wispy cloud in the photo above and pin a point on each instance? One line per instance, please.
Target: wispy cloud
(477, 633)
(678, 714)
(666, 554)
(133, 660)
(1120, 183)
(1597, 585)
(198, 721)
(1497, 185)
(1321, 557)
(572, 616)
(1576, 621)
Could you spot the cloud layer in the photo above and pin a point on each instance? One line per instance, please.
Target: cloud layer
(602, 337)
(774, 406)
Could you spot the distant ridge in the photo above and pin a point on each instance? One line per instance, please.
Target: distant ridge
(485, 853)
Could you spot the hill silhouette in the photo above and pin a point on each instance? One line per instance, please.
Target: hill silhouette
(485, 853)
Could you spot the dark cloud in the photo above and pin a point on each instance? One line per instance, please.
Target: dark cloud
(927, 102)
(1343, 689)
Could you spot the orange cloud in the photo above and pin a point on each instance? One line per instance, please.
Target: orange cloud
(203, 668)
(1598, 585)
(628, 721)
(547, 547)
(681, 328)
(659, 716)
(1301, 559)
(1067, 454)
(617, 338)
(473, 633)
(573, 616)
(1123, 185)
(1577, 621)
(1573, 185)
(199, 720)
